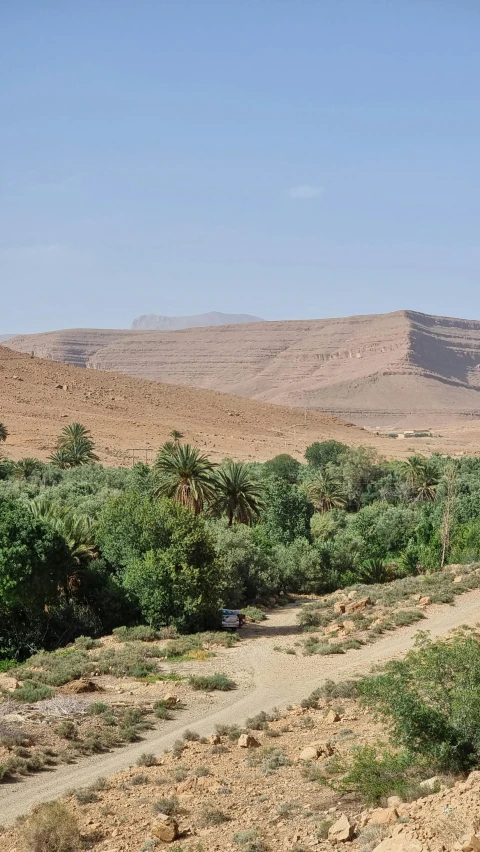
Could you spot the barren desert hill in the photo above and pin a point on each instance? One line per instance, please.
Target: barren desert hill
(156, 322)
(39, 396)
(397, 370)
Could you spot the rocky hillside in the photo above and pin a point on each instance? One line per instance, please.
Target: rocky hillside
(399, 370)
(154, 322)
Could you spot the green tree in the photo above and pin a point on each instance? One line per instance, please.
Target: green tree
(287, 511)
(326, 493)
(74, 448)
(431, 699)
(247, 561)
(321, 453)
(283, 466)
(34, 559)
(236, 494)
(180, 583)
(186, 476)
(27, 467)
(77, 530)
(176, 436)
(421, 478)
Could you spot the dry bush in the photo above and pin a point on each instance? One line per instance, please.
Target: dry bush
(51, 828)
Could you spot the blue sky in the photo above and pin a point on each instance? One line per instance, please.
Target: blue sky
(286, 158)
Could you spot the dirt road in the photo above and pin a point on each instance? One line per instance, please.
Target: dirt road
(274, 679)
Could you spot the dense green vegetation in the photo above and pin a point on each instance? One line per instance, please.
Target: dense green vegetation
(84, 549)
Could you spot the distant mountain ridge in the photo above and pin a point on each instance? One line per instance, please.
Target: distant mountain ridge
(386, 371)
(5, 337)
(156, 322)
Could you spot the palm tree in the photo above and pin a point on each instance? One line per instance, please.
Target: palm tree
(176, 436)
(421, 479)
(3, 432)
(26, 467)
(73, 432)
(185, 475)
(237, 495)
(77, 530)
(74, 447)
(326, 493)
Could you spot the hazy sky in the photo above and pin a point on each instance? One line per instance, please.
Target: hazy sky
(287, 158)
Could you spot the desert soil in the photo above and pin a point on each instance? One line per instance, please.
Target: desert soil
(267, 678)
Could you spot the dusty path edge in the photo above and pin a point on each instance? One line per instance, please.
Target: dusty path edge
(18, 797)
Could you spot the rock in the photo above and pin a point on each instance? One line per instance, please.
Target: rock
(331, 628)
(425, 601)
(357, 606)
(349, 626)
(332, 717)
(457, 579)
(394, 801)
(171, 699)
(399, 844)
(10, 683)
(341, 831)
(351, 595)
(77, 687)
(309, 753)
(383, 816)
(247, 741)
(339, 606)
(468, 843)
(215, 739)
(431, 785)
(165, 828)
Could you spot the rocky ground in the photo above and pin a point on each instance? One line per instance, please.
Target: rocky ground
(260, 792)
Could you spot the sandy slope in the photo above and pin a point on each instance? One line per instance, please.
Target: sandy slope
(276, 680)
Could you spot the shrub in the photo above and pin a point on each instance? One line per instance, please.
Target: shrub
(254, 613)
(31, 692)
(376, 775)
(168, 805)
(191, 736)
(141, 633)
(147, 759)
(96, 708)
(66, 729)
(209, 683)
(213, 816)
(51, 828)
(431, 699)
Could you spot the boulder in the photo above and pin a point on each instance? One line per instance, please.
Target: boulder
(332, 717)
(341, 831)
(349, 626)
(425, 601)
(309, 753)
(247, 741)
(383, 816)
(331, 628)
(457, 579)
(339, 606)
(431, 785)
(165, 828)
(215, 739)
(394, 801)
(170, 699)
(357, 606)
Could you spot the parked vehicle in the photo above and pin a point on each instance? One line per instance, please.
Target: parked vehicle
(232, 619)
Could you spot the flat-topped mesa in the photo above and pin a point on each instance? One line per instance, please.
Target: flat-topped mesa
(403, 367)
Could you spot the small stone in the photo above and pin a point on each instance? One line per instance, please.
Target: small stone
(247, 741)
(341, 831)
(165, 828)
(383, 816)
(357, 606)
(309, 753)
(332, 717)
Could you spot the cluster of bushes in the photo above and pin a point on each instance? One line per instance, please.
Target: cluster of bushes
(85, 548)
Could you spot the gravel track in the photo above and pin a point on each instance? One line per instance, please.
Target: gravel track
(275, 679)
